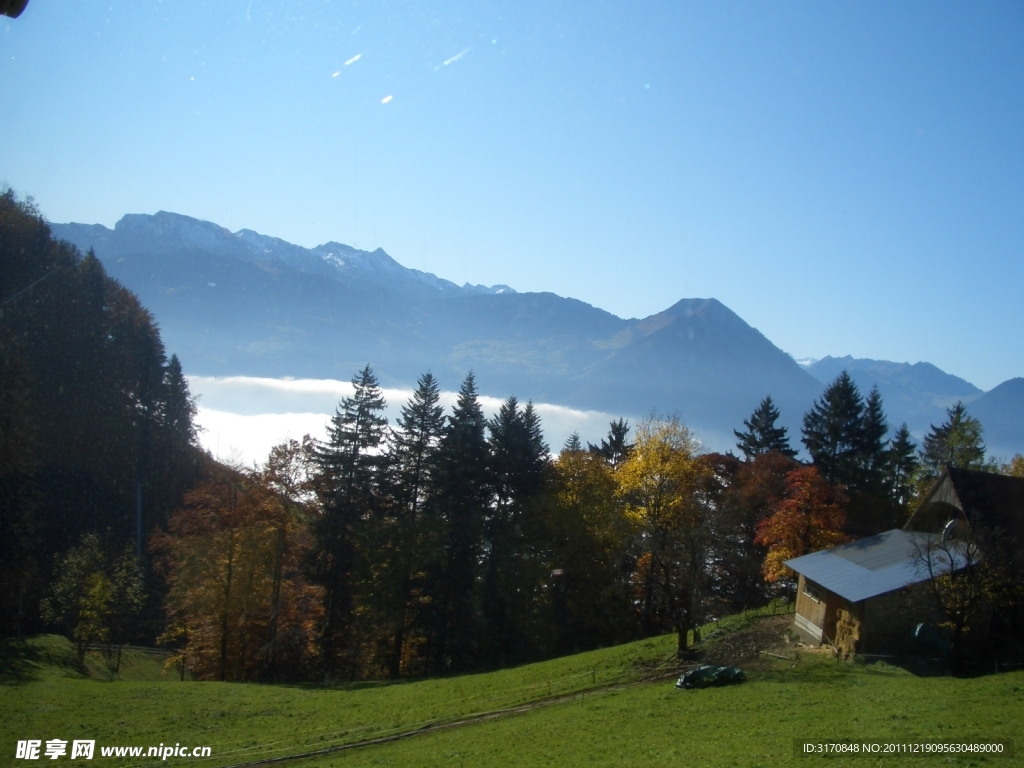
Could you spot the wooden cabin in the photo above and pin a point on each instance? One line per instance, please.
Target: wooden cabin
(875, 584)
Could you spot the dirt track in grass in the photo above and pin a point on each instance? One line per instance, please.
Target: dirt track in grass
(753, 648)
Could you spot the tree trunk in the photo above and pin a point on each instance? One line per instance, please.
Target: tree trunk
(275, 600)
(395, 667)
(226, 609)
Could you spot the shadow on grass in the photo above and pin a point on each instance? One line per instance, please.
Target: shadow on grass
(23, 660)
(19, 662)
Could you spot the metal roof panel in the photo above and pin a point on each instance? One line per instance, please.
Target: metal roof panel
(871, 566)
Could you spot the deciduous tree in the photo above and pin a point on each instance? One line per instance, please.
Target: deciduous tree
(232, 558)
(659, 483)
(809, 518)
(79, 597)
(588, 533)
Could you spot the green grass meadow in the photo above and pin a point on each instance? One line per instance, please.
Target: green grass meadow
(46, 694)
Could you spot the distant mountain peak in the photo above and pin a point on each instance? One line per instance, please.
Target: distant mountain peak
(488, 289)
(805, 362)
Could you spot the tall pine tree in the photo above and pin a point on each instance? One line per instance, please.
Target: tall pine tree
(518, 463)
(461, 495)
(414, 458)
(873, 444)
(614, 449)
(833, 431)
(900, 468)
(957, 442)
(351, 466)
(761, 434)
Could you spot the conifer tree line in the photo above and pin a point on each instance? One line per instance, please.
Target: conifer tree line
(453, 542)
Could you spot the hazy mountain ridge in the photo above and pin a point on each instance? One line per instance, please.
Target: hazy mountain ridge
(250, 304)
(167, 233)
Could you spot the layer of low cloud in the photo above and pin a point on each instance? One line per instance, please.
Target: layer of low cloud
(243, 417)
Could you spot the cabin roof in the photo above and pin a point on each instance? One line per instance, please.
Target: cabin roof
(997, 501)
(872, 566)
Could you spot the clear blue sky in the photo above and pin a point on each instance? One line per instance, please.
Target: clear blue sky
(848, 177)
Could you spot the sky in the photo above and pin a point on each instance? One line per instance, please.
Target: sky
(847, 176)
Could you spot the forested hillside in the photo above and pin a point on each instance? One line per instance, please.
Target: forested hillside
(96, 431)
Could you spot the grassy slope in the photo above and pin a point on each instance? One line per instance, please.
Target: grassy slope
(748, 725)
(45, 696)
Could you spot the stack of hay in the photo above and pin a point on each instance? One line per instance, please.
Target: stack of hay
(847, 635)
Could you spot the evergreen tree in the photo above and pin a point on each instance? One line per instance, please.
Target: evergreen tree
(957, 442)
(17, 467)
(416, 444)
(833, 431)
(85, 363)
(761, 434)
(873, 444)
(573, 444)
(518, 461)
(179, 407)
(872, 507)
(614, 449)
(351, 465)
(900, 468)
(461, 495)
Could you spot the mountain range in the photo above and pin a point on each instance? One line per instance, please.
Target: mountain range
(242, 303)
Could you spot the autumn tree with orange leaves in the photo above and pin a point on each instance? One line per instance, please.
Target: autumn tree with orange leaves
(809, 518)
(232, 557)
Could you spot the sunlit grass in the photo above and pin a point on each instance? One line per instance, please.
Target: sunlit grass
(48, 695)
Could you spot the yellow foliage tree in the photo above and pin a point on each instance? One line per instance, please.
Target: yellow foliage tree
(588, 536)
(660, 484)
(1015, 468)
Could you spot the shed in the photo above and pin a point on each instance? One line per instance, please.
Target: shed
(875, 581)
